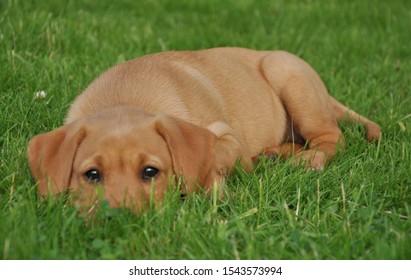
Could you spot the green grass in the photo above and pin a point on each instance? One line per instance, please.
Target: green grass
(357, 208)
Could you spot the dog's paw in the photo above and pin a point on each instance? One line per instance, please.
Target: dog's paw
(311, 160)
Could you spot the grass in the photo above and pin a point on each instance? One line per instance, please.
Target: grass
(357, 208)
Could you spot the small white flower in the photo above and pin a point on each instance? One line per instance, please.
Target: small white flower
(40, 94)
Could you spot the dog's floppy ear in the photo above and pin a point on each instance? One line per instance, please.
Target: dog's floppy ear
(191, 148)
(51, 157)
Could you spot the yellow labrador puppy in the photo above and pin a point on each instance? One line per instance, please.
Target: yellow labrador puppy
(191, 115)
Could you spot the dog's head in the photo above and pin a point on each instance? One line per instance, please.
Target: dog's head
(130, 155)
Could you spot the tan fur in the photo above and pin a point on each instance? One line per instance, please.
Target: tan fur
(194, 114)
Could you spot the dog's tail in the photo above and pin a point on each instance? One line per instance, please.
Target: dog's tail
(347, 115)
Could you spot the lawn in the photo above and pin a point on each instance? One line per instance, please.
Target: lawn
(357, 208)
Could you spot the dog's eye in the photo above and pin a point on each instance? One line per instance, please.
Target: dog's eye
(93, 176)
(149, 172)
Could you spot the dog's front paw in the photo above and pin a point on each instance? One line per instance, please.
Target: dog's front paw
(311, 159)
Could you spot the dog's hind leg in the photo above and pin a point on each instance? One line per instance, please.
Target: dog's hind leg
(308, 106)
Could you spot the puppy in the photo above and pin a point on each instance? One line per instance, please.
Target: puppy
(188, 116)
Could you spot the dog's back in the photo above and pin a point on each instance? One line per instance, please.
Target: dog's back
(202, 87)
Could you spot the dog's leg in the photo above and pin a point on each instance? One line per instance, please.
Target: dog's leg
(283, 151)
(307, 103)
